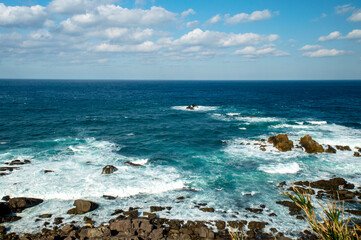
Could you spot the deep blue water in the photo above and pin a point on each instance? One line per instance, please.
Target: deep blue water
(77, 127)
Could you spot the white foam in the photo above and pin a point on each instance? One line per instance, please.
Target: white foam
(290, 126)
(140, 161)
(130, 134)
(250, 193)
(317, 122)
(281, 168)
(258, 119)
(196, 108)
(232, 114)
(242, 128)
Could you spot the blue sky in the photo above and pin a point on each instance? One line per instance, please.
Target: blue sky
(184, 39)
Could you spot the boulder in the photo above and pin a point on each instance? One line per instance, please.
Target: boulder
(95, 233)
(253, 225)
(156, 234)
(356, 154)
(191, 107)
(330, 149)
(207, 209)
(108, 169)
(310, 145)
(156, 208)
(343, 148)
(83, 206)
(21, 203)
(332, 184)
(281, 142)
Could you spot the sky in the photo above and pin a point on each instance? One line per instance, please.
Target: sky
(181, 39)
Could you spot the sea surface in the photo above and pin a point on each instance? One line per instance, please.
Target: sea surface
(75, 128)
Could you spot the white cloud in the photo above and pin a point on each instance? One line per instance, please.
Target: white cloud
(325, 53)
(75, 6)
(310, 47)
(144, 47)
(192, 24)
(251, 51)
(356, 16)
(21, 16)
(214, 19)
(354, 34)
(188, 12)
(344, 9)
(244, 17)
(221, 39)
(332, 36)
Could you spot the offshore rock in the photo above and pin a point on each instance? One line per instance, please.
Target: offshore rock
(108, 169)
(83, 206)
(356, 154)
(330, 149)
(19, 204)
(332, 184)
(191, 107)
(281, 142)
(310, 145)
(343, 148)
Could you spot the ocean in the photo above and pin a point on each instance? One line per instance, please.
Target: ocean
(75, 128)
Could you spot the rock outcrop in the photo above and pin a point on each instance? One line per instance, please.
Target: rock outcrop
(330, 149)
(191, 107)
(281, 142)
(310, 145)
(343, 148)
(109, 169)
(83, 206)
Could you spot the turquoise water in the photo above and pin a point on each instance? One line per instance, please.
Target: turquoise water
(75, 128)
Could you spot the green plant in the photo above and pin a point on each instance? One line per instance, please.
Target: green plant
(332, 225)
(235, 234)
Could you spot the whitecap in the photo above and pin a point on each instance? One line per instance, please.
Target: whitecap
(232, 114)
(242, 128)
(196, 108)
(258, 119)
(141, 161)
(281, 168)
(317, 122)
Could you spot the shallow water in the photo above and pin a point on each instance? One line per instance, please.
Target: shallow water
(75, 128)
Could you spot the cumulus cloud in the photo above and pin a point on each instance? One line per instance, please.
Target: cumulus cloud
(310, 47)
(75, 6)
(325, 53)
(192, 24)
(251, 51)
(144, 47)
(188, 12)
(356, 16)
(22, 16)
(244, 17)
(344, 9)
(332, 36)
(221, 39)
(214, 19)
(354, 34)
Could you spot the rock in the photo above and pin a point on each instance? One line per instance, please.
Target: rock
(156, 234)
(256, 225)
(95, 233)
(281, 184)
(302, 190)
(109, 197)
(156, 208)
(237, 224)
(356, 154)
(209, 209)
(281, 142)
(220, 225)
(10, 169)
(343, 148)
(6, 198)
(4, 219)
(302, 183)
(108, 169)
(48, 171)
(133, 164)
(132, 214)
(330, 149)
(180, 198)
(255, 210)
(2, 230)
(293, 208)
(272, 215)
(21, 203)
(310, 145)
(262, 149)
(68, 228)
(122, 226)
(191, 107)
(45, 215)
(83, 206)
(117, 211)
(332, 184)
(16, 162)
(354, 212)
(58, 220)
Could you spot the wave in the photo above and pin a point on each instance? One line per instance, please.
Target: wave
(281, 168)
(196, 108)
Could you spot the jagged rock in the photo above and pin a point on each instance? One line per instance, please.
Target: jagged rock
(354, 212)
(156, 234)
(132, 214)
(83, 206)
(10, 169)
(108, 169)
(58, 220)
(2, 230)
(281, 184)
(302, 190)
(255, 210)
(330, 149)
(4, 219)
(68, 228)
(207, 209)
(19, 162)
(281, 142)
(332, 184)
(293, 208)
(21, 203)
(310, 145)
(256, 225)
(343, 148)
(94, 233)
(156, 208)
(122, 226)
(6, 198)
(191, 107)
(237, 224)
(356, 154)
(45, 215)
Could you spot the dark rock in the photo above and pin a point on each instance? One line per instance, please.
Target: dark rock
(156, 234)
(156, 208)
(220, 225)
(2, 230)
(180, 198)
(10, 169)
(83, 206)
(122, 226)
(310, 145)
(95, 233)
(356, 154)
(281, 184)
(237, 224)
(16, 162)
(48, 171)
(256, 225)
(272, 215)
(6, 198)
(255, 210)
(343, 148)
(88, 221)
(191, 107)
(58, 220)
(202, 204)
(21, 203)
(4, 219)
(109, 169)
(302, 190)
(133, 164)
(208, 209)
(354, 212)
(132, 214)
(46, 215)
(262, 149)
(330, 149)
(302, 183)
(109, 197)
(262, 206)
(281, 142)
(68, 228)
(332, 184)
(293, 208)
(117, 211)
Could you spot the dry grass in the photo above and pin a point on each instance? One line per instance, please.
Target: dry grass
(235, 234)
(330, 223)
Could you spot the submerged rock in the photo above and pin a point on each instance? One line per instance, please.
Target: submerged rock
(133, 164)
(310, 145)
(83, 206)
(109, 169)
(281, 142)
